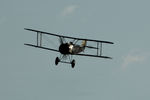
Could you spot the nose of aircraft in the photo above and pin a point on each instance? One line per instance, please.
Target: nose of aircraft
(64, 48)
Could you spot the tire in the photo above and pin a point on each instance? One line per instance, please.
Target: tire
(57, 61)
(73, 63)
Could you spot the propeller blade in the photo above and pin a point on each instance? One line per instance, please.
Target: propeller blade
(60, 40)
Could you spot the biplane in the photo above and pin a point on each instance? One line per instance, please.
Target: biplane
(68, 49)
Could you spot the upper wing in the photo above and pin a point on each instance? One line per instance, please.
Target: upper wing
(68, 36)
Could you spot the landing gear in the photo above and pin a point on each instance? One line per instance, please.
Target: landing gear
(57, 60)
(73, 63)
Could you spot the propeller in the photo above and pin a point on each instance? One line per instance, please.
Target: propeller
(62, 40)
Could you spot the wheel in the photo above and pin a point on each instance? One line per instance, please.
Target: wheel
(57, 61)
(73, 63)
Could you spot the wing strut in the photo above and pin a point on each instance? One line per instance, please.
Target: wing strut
(39, 39)
(101, 49)
(97, 48)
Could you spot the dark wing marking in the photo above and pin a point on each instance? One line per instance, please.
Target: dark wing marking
(68, 36)
(93, 56)
(41, 47)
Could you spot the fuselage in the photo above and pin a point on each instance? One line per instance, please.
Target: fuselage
(70, 48)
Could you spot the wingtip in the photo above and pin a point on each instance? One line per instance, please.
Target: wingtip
(112, 42)
(109, 57)
(26, 29)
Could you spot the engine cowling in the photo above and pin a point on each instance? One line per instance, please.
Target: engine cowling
(64, 48)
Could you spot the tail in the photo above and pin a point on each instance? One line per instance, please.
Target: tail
(83, 43)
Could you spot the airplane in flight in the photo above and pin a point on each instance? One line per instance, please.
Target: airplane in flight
(68, 49)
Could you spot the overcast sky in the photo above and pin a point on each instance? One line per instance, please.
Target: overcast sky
(28, 73)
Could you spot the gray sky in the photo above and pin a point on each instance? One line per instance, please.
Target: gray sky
(28, 73)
